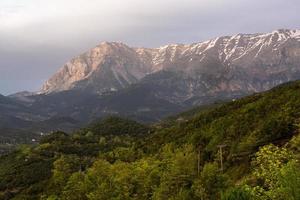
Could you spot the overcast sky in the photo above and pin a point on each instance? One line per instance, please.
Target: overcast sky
(39, 36)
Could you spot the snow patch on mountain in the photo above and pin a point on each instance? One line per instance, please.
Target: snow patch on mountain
(115, 65)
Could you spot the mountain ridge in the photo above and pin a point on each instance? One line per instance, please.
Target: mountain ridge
(112, 66)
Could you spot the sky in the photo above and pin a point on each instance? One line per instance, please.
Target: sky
(38, 36)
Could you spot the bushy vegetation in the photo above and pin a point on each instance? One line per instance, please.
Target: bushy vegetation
(243, 150)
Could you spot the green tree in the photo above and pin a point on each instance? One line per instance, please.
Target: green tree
(99, 181)
(289, 180)
(63, 168)
(178, 172)
(76, 188)
(213, 182)
(276, 173)
(237, 193)
(267, 164)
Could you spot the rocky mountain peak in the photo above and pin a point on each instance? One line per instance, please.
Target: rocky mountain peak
(113, 66)
(115, 62)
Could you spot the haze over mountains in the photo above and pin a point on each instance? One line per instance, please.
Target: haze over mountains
(149, 84)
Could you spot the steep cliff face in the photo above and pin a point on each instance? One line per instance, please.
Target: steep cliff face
(242, 63)
(109, 66)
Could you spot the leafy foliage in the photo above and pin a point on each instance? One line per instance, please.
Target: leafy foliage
(255, 139)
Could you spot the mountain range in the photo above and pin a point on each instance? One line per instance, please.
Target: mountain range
(148, 84)
(260, 58)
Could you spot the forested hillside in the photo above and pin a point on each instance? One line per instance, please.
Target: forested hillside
(244, 149)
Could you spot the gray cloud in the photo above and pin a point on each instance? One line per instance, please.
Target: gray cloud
(36, 37)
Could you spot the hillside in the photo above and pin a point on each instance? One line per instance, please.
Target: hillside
(176, 159)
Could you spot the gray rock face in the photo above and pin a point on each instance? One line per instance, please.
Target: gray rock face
(239, 64)
(109, 66)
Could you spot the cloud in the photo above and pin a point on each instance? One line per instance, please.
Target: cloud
(37, 37)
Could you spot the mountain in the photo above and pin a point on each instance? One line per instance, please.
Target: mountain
(20, 122)
(149, 84)
(107, 67)
(225, 66)
(135, 102)
(12, 107)
(23, 96)
(117, 158)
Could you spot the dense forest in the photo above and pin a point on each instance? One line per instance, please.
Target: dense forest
(242, 150)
